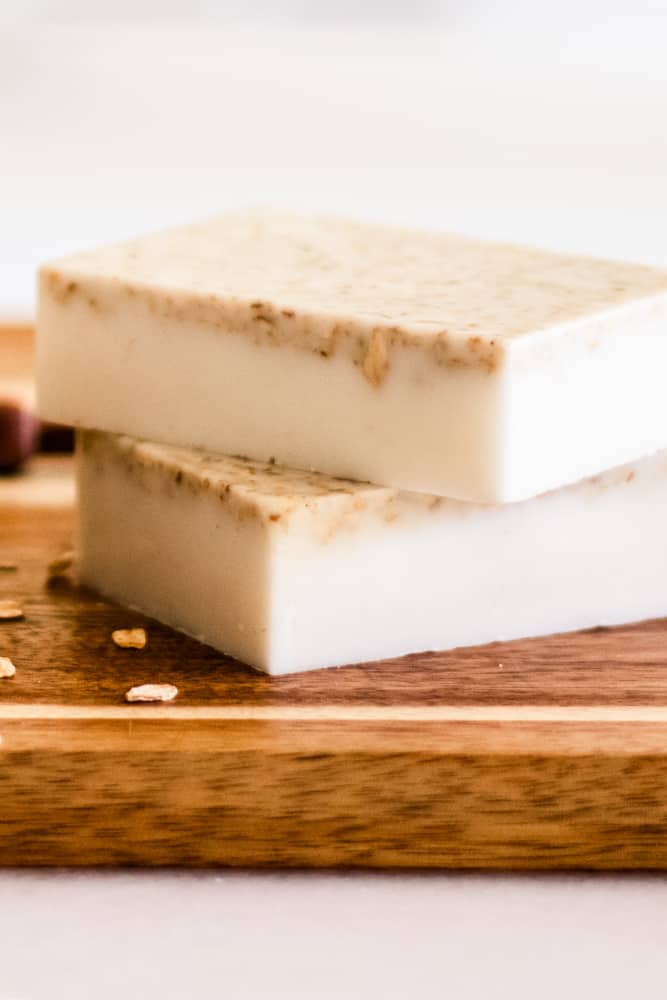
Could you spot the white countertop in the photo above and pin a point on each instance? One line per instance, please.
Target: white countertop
(173, 935)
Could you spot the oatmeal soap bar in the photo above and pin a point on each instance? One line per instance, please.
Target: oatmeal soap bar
(289, 571)
(480, 371)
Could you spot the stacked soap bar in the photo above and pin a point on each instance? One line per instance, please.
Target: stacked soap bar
(291, 570)
(473, 370)
(450, 368)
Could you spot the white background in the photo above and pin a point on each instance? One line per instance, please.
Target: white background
(541, 122)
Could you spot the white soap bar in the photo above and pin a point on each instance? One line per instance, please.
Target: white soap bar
(289, 571)
(427, 362)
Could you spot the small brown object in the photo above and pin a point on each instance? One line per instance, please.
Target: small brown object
(129, 638)
(8, 567)
(55, 438)
(18, 434)
(152, 692)
(7, 668)
(10, 611)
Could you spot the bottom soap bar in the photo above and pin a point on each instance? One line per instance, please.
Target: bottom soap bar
(290, 571)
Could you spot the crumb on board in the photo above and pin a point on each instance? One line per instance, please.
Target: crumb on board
(129, 638)
(10, 610)
(152, 692)
(61, 564)
(8, 567)
(7, 668)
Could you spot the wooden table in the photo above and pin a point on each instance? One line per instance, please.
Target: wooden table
(548, 753)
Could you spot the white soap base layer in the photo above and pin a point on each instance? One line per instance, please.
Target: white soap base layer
(479, 371)
(288, 578)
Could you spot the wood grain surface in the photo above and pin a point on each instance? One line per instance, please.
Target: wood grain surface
(17, 351)
(548, 753)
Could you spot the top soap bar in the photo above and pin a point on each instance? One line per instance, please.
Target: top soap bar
(477, 370)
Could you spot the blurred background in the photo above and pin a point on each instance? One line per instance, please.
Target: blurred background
(528, 120)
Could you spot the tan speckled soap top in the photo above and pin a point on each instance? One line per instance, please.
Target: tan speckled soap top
(327, 284)
(259, 489)
(271, 495)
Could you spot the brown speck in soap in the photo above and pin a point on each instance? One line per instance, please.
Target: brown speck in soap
(59, 288)
(376, 361)
(8, 567)
(289, 313)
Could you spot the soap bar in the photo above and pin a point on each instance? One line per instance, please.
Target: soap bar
(480, 371)
(290, 570)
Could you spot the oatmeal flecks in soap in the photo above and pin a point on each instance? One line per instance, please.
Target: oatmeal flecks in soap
(289, 570)
(424, 361)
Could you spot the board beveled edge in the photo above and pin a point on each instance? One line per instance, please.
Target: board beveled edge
(281, 794)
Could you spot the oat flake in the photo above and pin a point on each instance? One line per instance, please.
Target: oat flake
(60, 564)
(129, 638)
(152, 692)
(10, 610)
(7, 668)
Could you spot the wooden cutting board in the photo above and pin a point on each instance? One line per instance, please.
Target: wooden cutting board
(548, 753)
